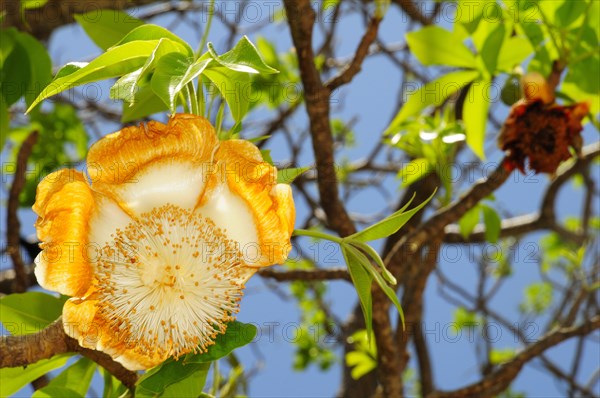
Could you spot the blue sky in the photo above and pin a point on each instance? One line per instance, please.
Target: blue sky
(371, 97)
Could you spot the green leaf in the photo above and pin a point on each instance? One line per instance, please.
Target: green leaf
(390, 224)
(361, 364)
(167, 78)
(13, 379)
(287, 176)
(514, 51)
(372, 253)
(145, 103)
(56, 392)
(570, 12)
(500, 356)
(126, 86)
(117, 61)
(414, 171)
(4, 122)
(107, 27)
(25, 313)
(172, 73)
(31, 4)
(113, 388)
(187, 379)
(233, 86)
(238, 334)
(475, 113)
(492, 222)
(538, 297)
(26, 68)
(463, 318)
(149, 32)
(491, 48)
(362, 283)
(76, 377)
(468, 221)
(433, 93)
(434, 45)
(70, 68)
(244, 57)
(15, 72)
(389, 292)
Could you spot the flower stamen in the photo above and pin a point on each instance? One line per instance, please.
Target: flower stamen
(169, 281)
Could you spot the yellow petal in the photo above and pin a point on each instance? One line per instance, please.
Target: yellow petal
(148, 166)
(63, 203)
(82, 321)
(269, 204)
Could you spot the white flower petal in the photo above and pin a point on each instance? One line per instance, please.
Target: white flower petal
(231, 213)
(174, 182)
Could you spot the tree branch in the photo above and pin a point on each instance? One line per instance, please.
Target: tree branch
(545, 219)
(306, 275)
(13, 226)
(301, 19)
(500, 379)
(42, 21)
(28, 349)
(361, 52)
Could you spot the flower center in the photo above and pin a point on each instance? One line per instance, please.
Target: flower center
(169, 281)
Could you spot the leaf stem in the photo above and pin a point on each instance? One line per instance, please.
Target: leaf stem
(317, 234)
(211, 12)
(191, 90)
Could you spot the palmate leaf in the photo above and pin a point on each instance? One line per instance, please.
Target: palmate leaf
(13, 379)
(76, 379)
(25, 66)
(476, 114)
(287, 176)
(362, 281)
(126, 86)
(432, 93)
(186, 377)
(107, 27)
(24, 313)
(434, 45)
(116, 62)
(154, 32)
(390, 224)
(244, 57)
(173, 72)
(234, 87)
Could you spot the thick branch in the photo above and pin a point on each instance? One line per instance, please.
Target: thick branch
(41, 21)
(28, 349)
(545, 219)
(500, 379)
(412, 242)
(301, 19)
(13, 226)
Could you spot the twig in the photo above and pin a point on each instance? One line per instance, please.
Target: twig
(13, 226)
(28, 349)
(306, 275)
(545, 219)
(361, 52)
(500, 379)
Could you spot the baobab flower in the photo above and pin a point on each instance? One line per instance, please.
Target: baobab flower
(155, 244)
(539, 130)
